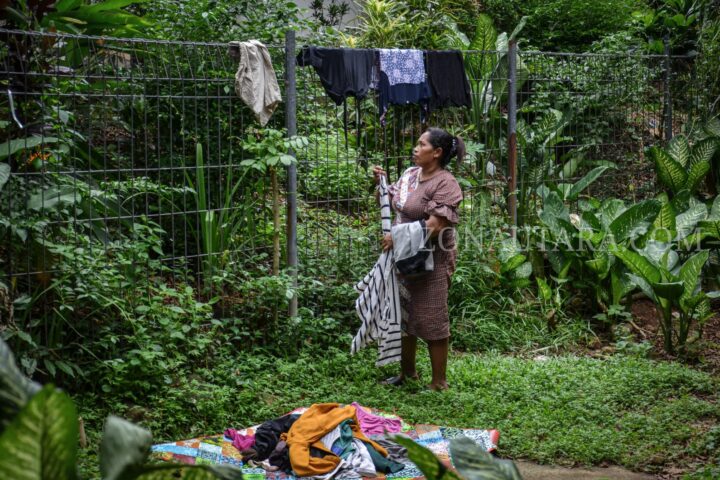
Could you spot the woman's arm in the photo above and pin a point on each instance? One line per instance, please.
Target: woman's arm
(436, 224)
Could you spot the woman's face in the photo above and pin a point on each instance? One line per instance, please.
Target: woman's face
(424, 154)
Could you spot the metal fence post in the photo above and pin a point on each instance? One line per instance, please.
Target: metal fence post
(667, 110)
(512, 136)
(291, 126)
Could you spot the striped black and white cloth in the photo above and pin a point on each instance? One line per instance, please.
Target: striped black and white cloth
(378, 305)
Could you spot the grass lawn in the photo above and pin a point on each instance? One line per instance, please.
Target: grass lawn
(641, 414)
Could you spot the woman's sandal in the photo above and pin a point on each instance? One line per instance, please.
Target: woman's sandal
(397, 380)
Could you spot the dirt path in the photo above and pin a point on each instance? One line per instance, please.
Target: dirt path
(534, 471)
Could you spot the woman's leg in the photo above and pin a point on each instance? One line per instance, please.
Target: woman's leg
(438, 361)
(407, 357)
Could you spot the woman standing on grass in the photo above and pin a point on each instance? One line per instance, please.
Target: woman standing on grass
(428, 191)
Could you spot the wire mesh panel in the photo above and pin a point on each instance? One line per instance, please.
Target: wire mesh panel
(126, 160)
(581, 112)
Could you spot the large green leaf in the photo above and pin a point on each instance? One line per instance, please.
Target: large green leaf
(600, 265)
(553, 210)
(679, 150)
(123, 449)
(686, 221)
(481, 64)
(712, 127)
(715, 209)
(710, 227)
(473, 463)
(585, 182)
(56, 195)
(609, 210)
(431, 467)
(4, 174)
(671, 290)
(41, 442)
(632, 219)
(660, 254)
(664, 225)
(638, 264)
(690, 272)
(696, 174)
(703, 151)
(15, 388)
(13, 146)
(670, 172)
(620, 283)
(513, 263)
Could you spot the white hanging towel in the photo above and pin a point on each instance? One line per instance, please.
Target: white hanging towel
(378, 305)
(255, 80)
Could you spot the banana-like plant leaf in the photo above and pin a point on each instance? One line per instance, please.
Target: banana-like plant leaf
(588, 219)
(41, 441)
(484, 40)
(13, 146)
(473, 463)
(687, 221)
(690, 272)
(585, 182)
(632, 219)
(696, 174)
(425, 460)
(56, 195)
(703, 151)
(638, 264)
(679, 149)
(681, 200)
(671, 290)
(15, 388)
(670, 172)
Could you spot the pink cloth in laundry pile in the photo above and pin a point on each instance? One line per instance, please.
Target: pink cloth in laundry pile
(372, 424)
(240, 441)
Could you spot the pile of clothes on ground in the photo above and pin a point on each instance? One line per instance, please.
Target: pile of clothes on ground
(328, 440)
(323, 441)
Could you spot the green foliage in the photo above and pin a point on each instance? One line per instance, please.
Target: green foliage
(562, 25)
(225, 20)
(682, 167)
(678, 20)
(41, 441)
(78, 16)
(672, 286)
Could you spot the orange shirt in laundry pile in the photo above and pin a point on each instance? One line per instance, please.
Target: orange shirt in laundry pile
(319, 420)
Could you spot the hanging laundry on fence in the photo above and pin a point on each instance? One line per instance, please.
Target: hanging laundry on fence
(449, 84)
(343, 72)
(402, 80)
(255, 80)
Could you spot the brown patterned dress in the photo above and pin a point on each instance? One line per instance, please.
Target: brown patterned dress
(425, 297)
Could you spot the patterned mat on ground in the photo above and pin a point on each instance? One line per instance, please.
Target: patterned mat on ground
(218, 448)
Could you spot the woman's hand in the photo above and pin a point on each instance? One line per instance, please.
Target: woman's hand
(378, 172)
(387, 242)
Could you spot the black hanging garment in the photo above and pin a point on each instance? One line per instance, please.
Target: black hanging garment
(343, 72)
(449, 84)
